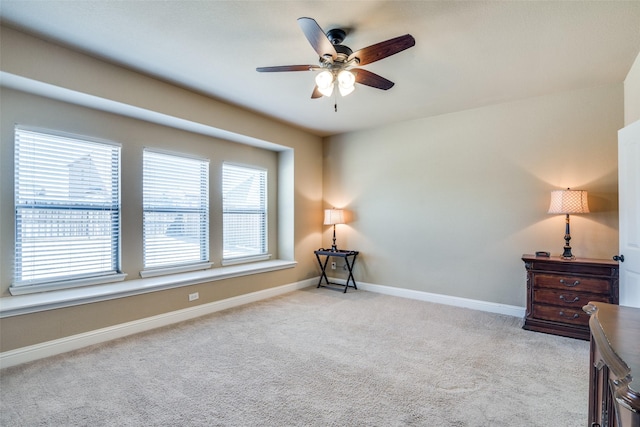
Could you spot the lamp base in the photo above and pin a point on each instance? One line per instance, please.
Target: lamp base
(567, 250)
(567, 238)
(334, 247)
(568, 256)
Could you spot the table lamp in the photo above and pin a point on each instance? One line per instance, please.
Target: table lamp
(568, 202)
(333, 217)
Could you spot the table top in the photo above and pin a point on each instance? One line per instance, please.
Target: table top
(337, 252)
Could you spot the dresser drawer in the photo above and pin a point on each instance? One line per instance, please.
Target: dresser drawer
(555, 265)
(575, 283)
(573, 316)
(566, 298)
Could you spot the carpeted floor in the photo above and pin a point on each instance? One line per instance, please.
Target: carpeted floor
(314, 357)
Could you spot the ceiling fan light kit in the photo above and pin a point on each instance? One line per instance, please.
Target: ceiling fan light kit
(326, 80)
(337, 62)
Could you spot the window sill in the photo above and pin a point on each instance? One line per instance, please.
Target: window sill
(25, 304)
(154, 272)
(244, 260)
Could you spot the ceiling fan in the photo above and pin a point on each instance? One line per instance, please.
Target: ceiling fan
(338, 63)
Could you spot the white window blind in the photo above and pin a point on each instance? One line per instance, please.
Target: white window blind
(176, 210)
(244, 206)
(67, 208)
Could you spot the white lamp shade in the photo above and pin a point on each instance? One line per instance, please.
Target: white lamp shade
(344, 91)
(346, 82)
(333, 216)
(568, 202)
(324, 80)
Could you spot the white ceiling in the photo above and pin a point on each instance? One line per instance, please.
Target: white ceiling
(467, 53)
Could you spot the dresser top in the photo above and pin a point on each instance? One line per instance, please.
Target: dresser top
(558, 259)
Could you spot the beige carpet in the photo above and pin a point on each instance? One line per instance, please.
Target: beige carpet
(315, 357)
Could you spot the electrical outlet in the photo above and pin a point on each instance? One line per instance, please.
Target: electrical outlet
(333, 265)
(194, 296)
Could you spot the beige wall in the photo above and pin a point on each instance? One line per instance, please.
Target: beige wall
(448, 204)
(58, 67)
(632, 94)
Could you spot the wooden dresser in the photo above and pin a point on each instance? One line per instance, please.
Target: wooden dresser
(614, 378)
(557, 289)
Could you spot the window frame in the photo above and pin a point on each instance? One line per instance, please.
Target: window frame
(204, 211)
(263, 210)
(64, 205)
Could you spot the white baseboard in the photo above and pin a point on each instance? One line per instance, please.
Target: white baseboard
(491, 307)
(74, 342)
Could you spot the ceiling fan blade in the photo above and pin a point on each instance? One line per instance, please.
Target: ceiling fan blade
(316, 93)
(287, 68)
(371, 79)
(318, 39)
(383, 49)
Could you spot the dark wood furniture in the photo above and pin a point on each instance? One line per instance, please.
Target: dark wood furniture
(557, 289)
(346, 255)
(614, 378)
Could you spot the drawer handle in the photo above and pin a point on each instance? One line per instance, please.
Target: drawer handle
(575, 315)
(571, 285)
(562, 297)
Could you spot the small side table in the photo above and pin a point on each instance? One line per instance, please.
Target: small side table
(340, 253)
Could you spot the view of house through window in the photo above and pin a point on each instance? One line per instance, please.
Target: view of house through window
(176, 210)
(67, 202)
(244, 207)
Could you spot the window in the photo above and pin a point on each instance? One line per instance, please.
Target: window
(176, 212)
(244, 212)
(67, 211)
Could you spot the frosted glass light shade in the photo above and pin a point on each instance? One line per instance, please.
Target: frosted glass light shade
(346, 82)
(568, 202)
(333, 216)
(324, 80)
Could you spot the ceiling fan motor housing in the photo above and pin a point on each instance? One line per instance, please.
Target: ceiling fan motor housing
(342, 49)
(336, 36)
